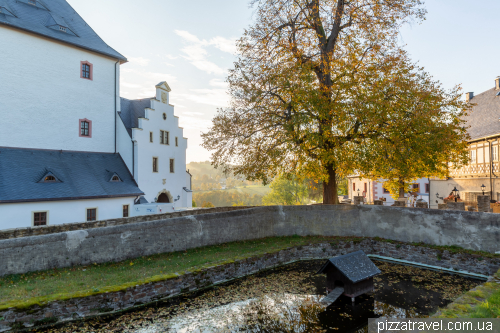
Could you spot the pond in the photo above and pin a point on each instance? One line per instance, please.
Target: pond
(286, 299)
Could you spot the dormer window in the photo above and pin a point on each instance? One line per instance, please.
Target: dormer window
(49, 179)
(32, 2)
(115, 178)
(61, 28)
(6, 11)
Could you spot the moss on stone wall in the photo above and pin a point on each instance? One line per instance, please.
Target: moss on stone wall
(480, 302)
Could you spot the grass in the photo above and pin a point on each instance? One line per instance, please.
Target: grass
(28, 289)
(254, 189)
(249, 189)
(24, 290)
(481, 302)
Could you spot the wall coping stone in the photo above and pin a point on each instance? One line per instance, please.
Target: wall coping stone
(52, 229)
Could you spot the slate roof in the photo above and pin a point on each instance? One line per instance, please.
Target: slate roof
(355, 266)
(80, 175)
(44, 19)
(484, 120)
(132, 110)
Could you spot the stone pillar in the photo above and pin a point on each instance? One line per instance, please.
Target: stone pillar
(378, 202)
(483, 203)
(452, 205)
(399, 203)
(442, 206)
(422, 204)
(358, 200)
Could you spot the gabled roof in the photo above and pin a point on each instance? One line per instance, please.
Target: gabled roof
(81, 175)
(355, 266)
(41, 17)
(484, 120)
(132, 110)
(164, 85)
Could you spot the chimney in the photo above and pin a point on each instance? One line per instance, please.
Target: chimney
(497, 83)
(469, 96)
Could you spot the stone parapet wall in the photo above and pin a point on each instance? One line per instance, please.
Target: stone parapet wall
(77, 308)
(483, 203)
(455, 205)
(470, 230)
(53, 229)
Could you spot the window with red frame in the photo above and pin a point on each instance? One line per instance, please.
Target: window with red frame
(84, 128)
(354, 187)
(40, 219)
(416, 188)
(427, 188)
(386, 191)
(86, 71)
(125, 210)
(91, 214)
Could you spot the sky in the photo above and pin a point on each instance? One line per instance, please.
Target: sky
(191, 45)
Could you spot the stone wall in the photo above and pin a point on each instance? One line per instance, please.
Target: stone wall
(53, 229)
(470, 230)
(98, 303)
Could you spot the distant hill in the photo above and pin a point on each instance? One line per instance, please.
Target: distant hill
(210, 185)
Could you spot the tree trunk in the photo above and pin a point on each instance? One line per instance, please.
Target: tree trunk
(330, 196)
(401, 189)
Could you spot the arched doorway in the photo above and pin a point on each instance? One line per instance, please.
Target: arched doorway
(163, 198)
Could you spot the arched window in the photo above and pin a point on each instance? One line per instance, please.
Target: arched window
(49, 179)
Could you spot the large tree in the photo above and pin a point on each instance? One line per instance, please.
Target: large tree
(308, 90)
(425, 136)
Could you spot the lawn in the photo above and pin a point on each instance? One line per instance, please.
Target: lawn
(254, 189)
(31, 288)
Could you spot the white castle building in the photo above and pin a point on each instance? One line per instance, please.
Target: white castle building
(71, 149)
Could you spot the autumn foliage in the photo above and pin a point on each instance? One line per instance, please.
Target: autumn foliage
(321, 89)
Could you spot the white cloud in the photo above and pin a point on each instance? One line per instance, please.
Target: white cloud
(151, 75)
(215, 97)
(178, 106)
(218, 83)
(139, 61)
(170, 57)
(196, 53)
(189, 113)
(224, 44)
(140, 83)
(196, 123)
(188, 37)
(130, 85)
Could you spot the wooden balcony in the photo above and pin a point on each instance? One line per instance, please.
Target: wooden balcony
(478, 170)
